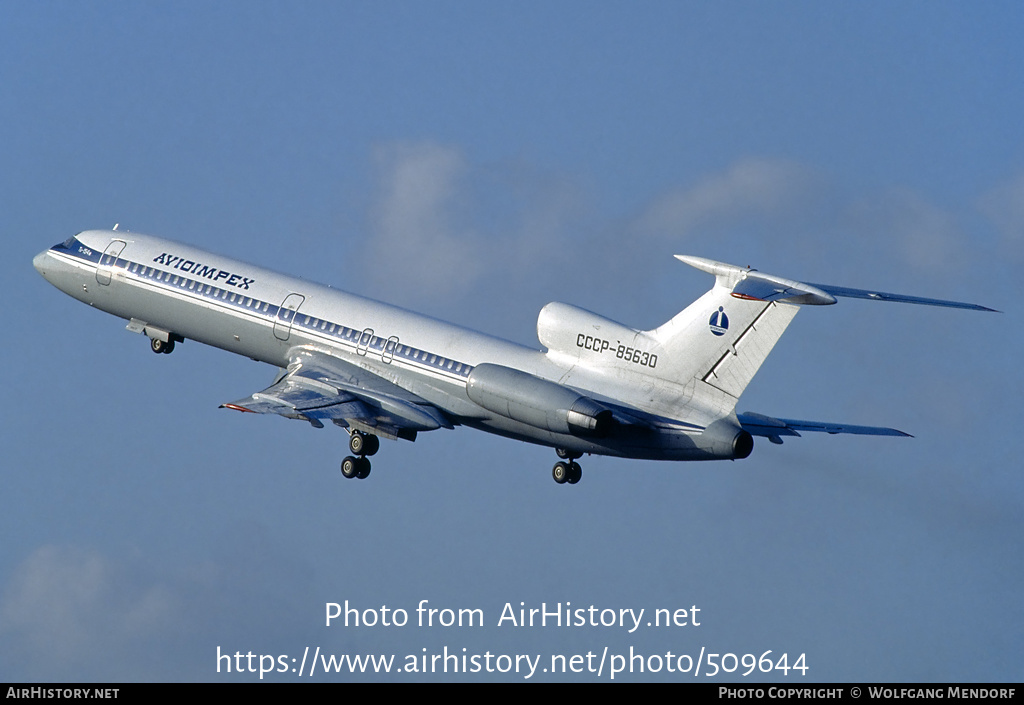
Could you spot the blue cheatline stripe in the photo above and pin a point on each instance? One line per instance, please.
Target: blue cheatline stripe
(270, 312)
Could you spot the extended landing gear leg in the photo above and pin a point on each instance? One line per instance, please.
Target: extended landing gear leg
(362, 445)
(570, 472)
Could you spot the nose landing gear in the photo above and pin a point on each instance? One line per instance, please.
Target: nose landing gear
(160, 341)
(158, 346)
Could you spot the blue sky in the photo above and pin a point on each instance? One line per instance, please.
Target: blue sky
(474, 161)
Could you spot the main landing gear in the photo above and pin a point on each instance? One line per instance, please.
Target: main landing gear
(361, 444)
(570, 471)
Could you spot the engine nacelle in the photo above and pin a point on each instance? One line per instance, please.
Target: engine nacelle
(724, 439)
(573, 331)
(537, 402)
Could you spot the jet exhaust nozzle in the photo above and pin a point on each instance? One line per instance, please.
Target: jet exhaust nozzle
(725, 439)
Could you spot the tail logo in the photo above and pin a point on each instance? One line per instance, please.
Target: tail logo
(719, 322)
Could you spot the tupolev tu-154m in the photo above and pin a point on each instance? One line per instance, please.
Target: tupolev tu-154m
(596, 387)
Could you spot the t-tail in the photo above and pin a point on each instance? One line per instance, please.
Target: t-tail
(722, 338)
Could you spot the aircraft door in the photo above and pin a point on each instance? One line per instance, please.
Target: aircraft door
(363, 344)
(389, 349)
(286, 315)
(109, 257)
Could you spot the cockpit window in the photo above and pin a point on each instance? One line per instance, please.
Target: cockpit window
(70, 242)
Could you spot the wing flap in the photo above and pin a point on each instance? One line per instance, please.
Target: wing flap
(410, 410)
(296, 399)
(317, 386)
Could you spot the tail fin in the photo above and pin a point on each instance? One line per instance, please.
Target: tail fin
(722, 338)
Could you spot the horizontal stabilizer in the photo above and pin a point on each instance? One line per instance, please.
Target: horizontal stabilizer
(751, 284)
(899, 298)
(773, 429)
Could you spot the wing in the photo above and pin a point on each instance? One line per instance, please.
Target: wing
(773, 429)
(317, 386)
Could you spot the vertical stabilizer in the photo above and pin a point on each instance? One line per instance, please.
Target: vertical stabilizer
(721, 339)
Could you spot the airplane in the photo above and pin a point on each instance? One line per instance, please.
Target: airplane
(597, 387)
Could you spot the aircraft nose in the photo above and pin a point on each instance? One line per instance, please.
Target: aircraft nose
(40, 260)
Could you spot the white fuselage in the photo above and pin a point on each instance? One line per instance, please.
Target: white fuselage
(166, 288)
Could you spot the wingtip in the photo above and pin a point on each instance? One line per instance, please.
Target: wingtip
(236, 407)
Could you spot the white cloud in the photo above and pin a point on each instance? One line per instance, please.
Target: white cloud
(752, 187)
(65, 604)
(443, 229)
(419, 233)
(903, 225)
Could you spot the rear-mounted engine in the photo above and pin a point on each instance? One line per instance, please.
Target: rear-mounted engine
(537, 402)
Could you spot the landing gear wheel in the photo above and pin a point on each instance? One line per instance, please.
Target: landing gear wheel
(570, 471)
(371, 444)
(159, 346)
(363, 443)
(355, 442)
(350, 467)
(363, 468)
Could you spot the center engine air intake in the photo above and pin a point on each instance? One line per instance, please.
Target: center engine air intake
(538, 402)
